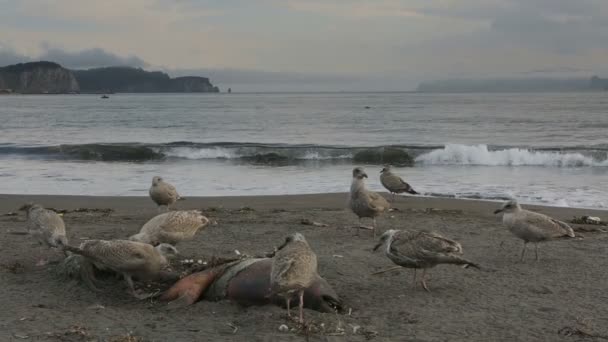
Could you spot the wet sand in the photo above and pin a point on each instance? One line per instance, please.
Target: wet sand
(562, 297)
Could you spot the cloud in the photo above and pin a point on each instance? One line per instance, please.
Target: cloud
(8, 55)
(89, 58)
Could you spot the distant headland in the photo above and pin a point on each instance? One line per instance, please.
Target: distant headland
(595, 83)
(51, 78)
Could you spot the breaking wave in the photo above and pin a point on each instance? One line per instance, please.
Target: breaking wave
(406, 155)
(454, 154)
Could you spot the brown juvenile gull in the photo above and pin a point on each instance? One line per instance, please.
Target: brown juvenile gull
(171, 227)
(393, 183)
(365, 203)
(294, 268)
(532, 227)
(46, 226)
(163, 193)
(129, 258)
(417, 249)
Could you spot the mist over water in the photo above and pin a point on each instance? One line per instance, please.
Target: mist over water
(540, 148)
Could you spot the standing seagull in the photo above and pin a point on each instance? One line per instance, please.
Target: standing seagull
(129, 258)
(424, 250)
(171, 227)
(365, 203)
(294, 268)
(532, 227)
(163, 193)
(393, 183)
(46, 226)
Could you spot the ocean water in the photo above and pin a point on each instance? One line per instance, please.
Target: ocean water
(547, 149)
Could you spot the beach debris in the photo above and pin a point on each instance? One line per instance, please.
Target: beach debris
(394, 184)
(308, 222)
(46, 226)
(21, 336)
(443, 211)
(294, 268)
(236, 251)
(283, 328)
(105, 211)
(594, 220)
(363, 202)
(233, 326)
(171, 227)
(10, 213)
(163, 193)
(532, 227)
(393, 268)
(338, 256)
(96, 307)
(412, 249)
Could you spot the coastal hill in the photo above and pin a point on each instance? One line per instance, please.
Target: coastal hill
(136, 80)
(51, 78)
(37, 78)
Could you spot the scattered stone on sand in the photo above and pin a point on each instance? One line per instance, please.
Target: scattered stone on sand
(593, 220)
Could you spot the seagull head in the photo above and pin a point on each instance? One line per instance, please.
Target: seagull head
(508, 207)
(156, 180)
(385, 238)
(359, 173)
(386, 168)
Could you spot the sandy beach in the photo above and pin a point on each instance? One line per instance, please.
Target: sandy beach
(560, 298)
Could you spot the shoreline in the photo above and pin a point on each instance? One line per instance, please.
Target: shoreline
(507, 300)
(333, 201)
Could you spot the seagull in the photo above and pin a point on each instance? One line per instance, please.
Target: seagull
(163, 193)
(129, 258)
(393, 183)
(46, 226)
(365, 203)
(532, 227)
(294, 268)
(171, 227)
(418, 249)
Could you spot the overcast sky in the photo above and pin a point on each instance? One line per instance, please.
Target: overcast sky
(316, 44)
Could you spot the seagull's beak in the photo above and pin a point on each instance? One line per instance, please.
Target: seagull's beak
(377, 246)
(382, 171)
(497, 211)
(282, 246)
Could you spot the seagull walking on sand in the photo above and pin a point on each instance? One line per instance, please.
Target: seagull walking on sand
(46, 226)
(532, 227)
(294, 268)
(365, 203)
(417, 249)
(394, 184)
(163, 193)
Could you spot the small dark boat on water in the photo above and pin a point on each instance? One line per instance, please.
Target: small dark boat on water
(105, 97)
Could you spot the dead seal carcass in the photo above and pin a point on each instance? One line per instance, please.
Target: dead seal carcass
(246, 282)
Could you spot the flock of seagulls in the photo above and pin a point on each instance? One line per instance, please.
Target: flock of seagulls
(294, 268)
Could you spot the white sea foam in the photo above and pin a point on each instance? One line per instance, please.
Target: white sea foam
(455, 154)
(201, 153)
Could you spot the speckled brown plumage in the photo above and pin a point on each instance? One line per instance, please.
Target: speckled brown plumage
(393, 183)
(365, 203)
(130, 258)
(532, 227)
(294, 268)
(417, 249)
(171, 227)
(163, 193)
(46, 226)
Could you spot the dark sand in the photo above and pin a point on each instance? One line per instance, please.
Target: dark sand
(566, 293)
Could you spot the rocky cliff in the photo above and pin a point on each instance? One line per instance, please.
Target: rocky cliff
(38, 78)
